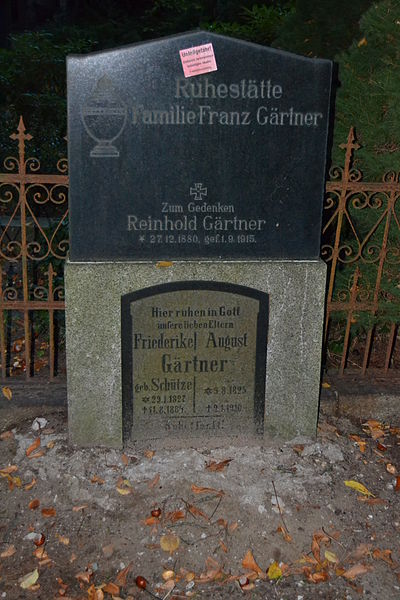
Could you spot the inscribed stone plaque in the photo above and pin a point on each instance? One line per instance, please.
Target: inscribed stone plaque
(193, 360)
(227, 163)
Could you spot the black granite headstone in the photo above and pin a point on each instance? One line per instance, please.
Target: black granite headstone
(226, 160)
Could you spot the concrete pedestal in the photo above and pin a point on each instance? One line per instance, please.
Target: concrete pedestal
(93, 320)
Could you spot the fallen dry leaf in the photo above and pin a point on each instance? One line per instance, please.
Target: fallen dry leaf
(33, 447)
(359, 487)
(331, 556)
(391, 469)
(223, 546)
(62, 539)
(318, 577)
(175, 516)
(362, 444)
(249, 563)
(30, 485)
(397, 486)
(13, 481)
(374, 428)
(63, 586)
(274, 571)
(385, 555)
(233, 526)
(95, 593)
(97, 479)
(152, 521)
(84, 576)
(169, 574)
(7, 392)
(319, 538)
(38, 454)
(49, 512)
(125, 459)
(124, 491)
(33, 504)
(164, 264)
(124, 487)
(218, 466)
(298, 448)
(51, 445)
(206, 490)
(356, 570)
(9, 551)
(28, 580)
(111, 588)
(122, 575)
(283, 531)
(248, 586)
(196, 512)
(222, 523)
(169, 542)
(149, 454)
(213, 571)
(6, 435)
(8, 470)
(40, 553)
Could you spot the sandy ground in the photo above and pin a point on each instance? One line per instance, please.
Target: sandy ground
(272, 522)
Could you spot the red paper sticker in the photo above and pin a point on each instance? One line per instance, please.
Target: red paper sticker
(198, 60)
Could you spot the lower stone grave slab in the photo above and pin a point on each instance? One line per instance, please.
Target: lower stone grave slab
(145, 366)
(193, 360)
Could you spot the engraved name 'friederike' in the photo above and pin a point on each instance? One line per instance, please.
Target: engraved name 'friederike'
(246, 89)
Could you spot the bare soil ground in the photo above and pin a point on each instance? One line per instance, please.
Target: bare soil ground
(272, 522)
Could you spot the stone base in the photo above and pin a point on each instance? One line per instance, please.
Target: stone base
(93, 320)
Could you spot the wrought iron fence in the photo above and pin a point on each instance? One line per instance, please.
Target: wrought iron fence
(360, 244)
(33, 248)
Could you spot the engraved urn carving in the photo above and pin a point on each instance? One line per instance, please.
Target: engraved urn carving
(104, 116)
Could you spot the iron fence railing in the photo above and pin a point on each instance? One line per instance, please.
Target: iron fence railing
(360, 244)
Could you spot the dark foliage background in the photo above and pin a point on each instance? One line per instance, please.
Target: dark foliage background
(363, 37)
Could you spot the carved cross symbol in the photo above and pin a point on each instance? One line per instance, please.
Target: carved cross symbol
(198, 191)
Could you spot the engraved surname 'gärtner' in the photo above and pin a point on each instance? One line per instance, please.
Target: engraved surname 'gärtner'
(177, 364)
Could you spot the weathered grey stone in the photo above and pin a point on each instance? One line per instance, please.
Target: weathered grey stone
(93, 296)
